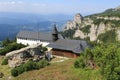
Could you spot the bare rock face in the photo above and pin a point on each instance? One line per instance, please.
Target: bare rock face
(92, 33)
(18, 57)
(70, 25)
(118, 34)
(73, 24)
(101, 28)
(117, 8)
(78, 18)
(79, 23)
(80, 34)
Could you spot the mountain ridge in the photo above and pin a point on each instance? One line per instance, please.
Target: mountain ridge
(95, 27)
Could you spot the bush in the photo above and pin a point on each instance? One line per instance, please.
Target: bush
(108, 37)
(11, 47)
(86, 29)
(30, 65)
(14, 72)
(68, 33)
(5, 61)
(20, 69)
(79, 63)
(106, 57)
(42, 63)
(6, 42)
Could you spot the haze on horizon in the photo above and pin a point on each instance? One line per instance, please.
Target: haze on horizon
(84, 7)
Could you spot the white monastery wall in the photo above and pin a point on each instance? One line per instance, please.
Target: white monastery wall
(31, 42)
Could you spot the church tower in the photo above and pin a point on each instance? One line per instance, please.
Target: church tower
(55, 33)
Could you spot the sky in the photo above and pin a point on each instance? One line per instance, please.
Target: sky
(84, 7)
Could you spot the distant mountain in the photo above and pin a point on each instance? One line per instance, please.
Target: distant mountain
(7, 30)
(109, 12)
(12, 23)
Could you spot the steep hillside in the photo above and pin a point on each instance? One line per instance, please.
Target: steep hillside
(61, 71)
(55, 71)
(102, 27)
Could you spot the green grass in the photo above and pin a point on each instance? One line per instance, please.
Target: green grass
(5, 70)
(60, 71)
(56, 71)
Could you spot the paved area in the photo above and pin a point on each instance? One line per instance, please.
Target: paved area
(58, 59)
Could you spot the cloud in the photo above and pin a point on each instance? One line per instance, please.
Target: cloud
(39, 4)
(19, 6)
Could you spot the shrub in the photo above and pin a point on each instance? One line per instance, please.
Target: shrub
(30, 65)
(11, 47)
(5, 61)
(108, 37)
(20, 69)
(86, 29)
(6, 42)
(68, 33)
(106, 57)
(79, 63)
(14, 72)
(42, 63)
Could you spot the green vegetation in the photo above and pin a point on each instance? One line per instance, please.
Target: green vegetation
(44, 49)
(68, 33)
(108, 37)
(107, 13)
(5, 61)
(104, 58)
(60, 71)
(11, 47)
(86, 29)
(30, 65)
(111, 12)
(5, 69)
(6, 42)
(114, 23)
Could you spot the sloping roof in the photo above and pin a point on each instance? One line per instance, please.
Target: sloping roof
(45, 36)
(76, 46)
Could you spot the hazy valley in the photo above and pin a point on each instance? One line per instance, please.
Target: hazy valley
(12, 23)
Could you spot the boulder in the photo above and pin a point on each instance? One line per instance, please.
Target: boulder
(18, 57)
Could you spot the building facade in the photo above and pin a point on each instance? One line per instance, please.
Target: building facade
(68, 48)
(33, 38)
(53, 40)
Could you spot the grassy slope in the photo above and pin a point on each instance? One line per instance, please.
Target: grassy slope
(60, 71)
(5, 70)
(56, 71)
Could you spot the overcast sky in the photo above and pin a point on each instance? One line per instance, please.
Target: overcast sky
(57, 6)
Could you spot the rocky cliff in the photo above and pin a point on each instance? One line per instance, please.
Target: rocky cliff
(73, 24)
(96, 27)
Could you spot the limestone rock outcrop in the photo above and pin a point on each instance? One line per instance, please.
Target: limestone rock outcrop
(18, 57)
(98, 25)
(79, 33)
(118, 33)
(73, 24)
(78, 18)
